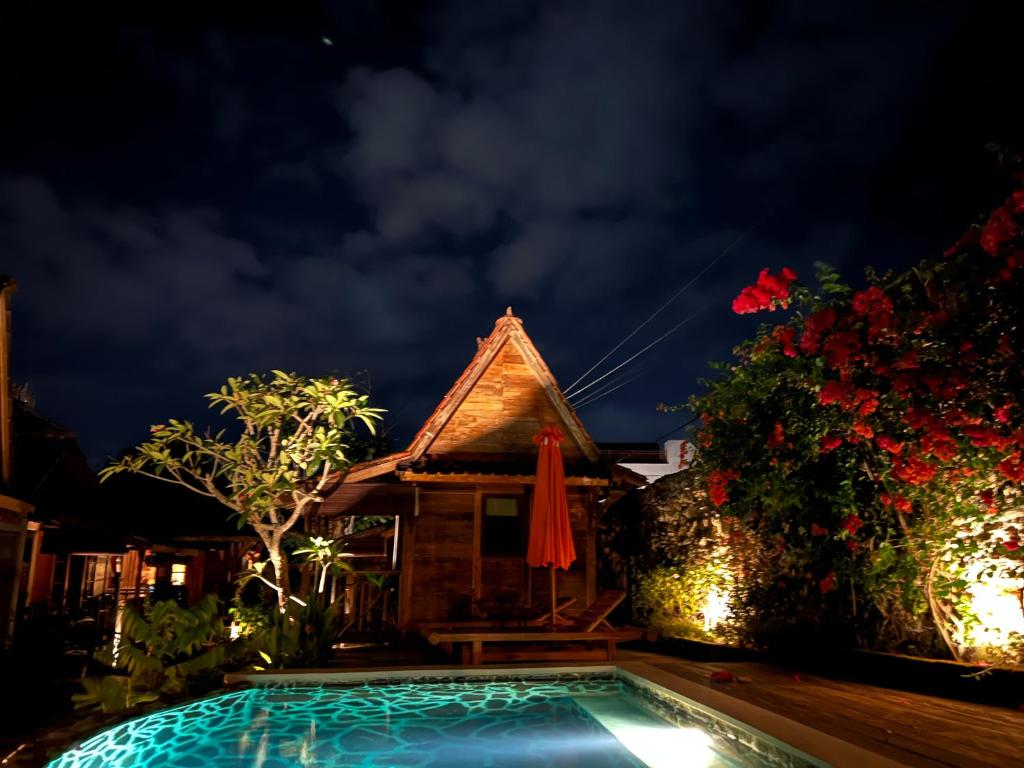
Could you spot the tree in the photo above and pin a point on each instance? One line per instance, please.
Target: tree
(293, 442)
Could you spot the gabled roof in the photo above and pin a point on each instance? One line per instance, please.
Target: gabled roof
(508, 338)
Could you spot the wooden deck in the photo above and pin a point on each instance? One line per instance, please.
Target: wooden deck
(912, 729)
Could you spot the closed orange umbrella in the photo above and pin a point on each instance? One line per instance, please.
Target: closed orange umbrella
(550, 532)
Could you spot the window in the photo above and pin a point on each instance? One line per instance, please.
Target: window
(178, 571)
(504, 527)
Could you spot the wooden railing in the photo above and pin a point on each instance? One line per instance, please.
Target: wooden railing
(371, 604)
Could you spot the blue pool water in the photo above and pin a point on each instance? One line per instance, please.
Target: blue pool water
(592, 723)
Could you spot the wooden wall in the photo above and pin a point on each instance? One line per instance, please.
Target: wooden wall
(507, 407)
(442, 569)
(439, 550)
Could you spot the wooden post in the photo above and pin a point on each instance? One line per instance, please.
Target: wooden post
(405, 578)
(554, 600)
(589, 507)
(478, 525)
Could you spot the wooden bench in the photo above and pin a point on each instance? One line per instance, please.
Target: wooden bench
(536, 620)
(515, 645)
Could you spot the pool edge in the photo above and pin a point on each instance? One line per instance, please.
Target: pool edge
(792, 733)
(816, 744)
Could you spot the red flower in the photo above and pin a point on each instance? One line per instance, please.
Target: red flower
(835, 392)
(940, 445)
(871, 300)
(907, 362)
(828, 584)
(866, 401)
(998, 229)
(814, 326)
(786, 336)
(897, 501)
(718, 485)
(886, 443)
(1012, 468)
(769, 292)
(852, 544)
(1016, 202)
(913, 471)
(1011, 544)
(852, 524)
(817, 530)
(1002, 413)
(840, 349)
(777, 438)
(830, 442)
(864, 430)
(985, 437)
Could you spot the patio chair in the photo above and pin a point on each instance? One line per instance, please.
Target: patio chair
(596, 614)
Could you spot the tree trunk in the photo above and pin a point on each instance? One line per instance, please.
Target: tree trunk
(280, 570)
(938, 614)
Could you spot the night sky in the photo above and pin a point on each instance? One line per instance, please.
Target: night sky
(190, 191)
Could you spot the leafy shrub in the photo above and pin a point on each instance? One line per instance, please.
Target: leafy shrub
(301, 637)
(158, 653)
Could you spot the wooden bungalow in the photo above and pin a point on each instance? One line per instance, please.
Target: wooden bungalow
(459, 495)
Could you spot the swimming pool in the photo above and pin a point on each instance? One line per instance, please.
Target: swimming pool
(565, 720)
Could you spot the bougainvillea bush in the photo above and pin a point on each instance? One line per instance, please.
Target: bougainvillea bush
(873, 442)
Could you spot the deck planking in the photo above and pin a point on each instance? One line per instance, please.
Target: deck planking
(914, 729)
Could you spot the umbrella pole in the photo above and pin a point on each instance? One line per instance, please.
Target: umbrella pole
(551, 569)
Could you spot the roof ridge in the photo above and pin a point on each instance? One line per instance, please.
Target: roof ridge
(507, 326)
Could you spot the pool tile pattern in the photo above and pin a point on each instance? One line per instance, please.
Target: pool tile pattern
(429, 721)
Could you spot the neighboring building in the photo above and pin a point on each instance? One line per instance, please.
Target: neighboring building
(14, 510)
(651, 460)
(459, 495)
(91, 547)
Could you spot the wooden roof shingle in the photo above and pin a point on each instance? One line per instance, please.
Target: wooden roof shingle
(507, 345)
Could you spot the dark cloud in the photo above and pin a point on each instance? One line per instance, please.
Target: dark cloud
(195, 196)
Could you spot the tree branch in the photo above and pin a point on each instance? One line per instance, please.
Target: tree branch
(293, 518)
(173, 481)
(324, 474)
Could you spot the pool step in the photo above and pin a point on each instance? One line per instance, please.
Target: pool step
(655, 742)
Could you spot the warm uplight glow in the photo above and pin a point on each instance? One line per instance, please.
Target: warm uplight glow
(990, 626)
(996, 603)
(716, 608)
(716, 604)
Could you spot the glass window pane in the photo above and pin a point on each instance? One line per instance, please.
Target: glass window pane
(504, 530)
